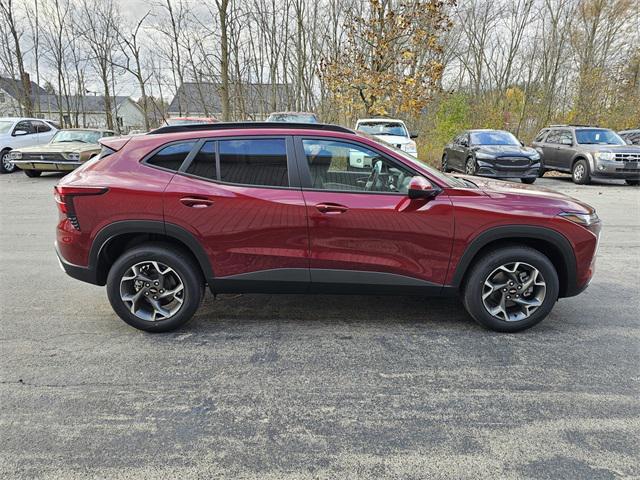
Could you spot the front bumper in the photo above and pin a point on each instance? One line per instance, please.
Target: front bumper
(47, 165)
(616, 170)
(489, 169)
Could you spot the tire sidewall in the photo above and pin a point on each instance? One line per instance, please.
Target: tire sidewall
(186, 269)
(2, 167)
(585, 177)
(487, 264)
(471, 161)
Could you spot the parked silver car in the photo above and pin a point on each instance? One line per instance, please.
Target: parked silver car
(588, 152)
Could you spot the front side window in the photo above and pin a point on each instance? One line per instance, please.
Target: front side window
(346, 167)
(24, 126)
(259, 162)
(598, 136)
(171, 156)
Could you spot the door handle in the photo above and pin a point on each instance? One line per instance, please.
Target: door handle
(195, 202)
(331, 208)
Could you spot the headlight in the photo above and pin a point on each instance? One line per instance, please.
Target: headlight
(74, 156)
(584, 219)
(410, 147)
(16, 155)
(605, 155)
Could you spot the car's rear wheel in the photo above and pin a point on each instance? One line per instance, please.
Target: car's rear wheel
(470, 167)
(528, 181)
(633, 183)
(6, 165)
(511, 289)
(580, 172)
(32, 173)
(155, 287)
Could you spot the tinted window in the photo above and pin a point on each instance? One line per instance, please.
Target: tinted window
(172, 156)
(254, 162)
(341, 166)
(40, 127)
(204, 163)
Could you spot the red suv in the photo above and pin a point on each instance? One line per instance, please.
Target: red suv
(299, 208)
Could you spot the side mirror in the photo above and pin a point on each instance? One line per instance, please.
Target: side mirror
(464, 143)
(19, 133)
(566, 141)
(420, 187)
(413, 135)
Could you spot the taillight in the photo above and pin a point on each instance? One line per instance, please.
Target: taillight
(64, 198)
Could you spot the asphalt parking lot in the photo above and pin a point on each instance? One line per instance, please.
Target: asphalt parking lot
(302, 387)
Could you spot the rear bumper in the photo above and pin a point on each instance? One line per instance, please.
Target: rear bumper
(84, 274)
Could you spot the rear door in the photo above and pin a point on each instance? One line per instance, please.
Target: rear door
(364, 231)
(240, 197)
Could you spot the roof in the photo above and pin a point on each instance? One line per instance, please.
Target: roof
(197, 127)
(14, 87)
(86, 103)
(193, 97)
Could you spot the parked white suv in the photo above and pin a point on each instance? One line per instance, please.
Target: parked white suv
(19, 133)
(391, 131)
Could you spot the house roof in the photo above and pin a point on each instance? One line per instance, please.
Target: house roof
(86, 103)
(14, 87)
(192, 97)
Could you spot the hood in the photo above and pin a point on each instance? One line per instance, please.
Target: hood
(394, 139)
(529, 194)
(506, 150)
(61, 147)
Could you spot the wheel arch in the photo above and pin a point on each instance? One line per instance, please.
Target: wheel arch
(116, 238)
(550, 243)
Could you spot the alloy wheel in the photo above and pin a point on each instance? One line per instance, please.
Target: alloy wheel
(578, 172)
(470, 167)
(513, 291)
(7, 164)
(152, 291)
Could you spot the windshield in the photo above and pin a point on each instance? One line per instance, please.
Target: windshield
(598, 136)
(292, 118)
(383, 128)
(447, 179)
(83, 136)
(493, 138)
(5, 126)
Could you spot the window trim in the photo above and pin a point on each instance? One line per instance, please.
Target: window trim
(292, 168)
(305, 172)
(191, 154)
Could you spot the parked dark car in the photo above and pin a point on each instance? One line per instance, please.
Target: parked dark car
(588, 152)
(491, 153)
(294, 208)
(632, 137)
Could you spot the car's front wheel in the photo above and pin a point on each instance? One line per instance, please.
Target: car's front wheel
(470, 167)
(580, 172)
(6, 165)
(155, 287)
(33, 173)
(511, 288)
(445, 164)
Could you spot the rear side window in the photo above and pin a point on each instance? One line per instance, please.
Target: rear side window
(171, 156)
(204, 163)
(541, 136)
(260, 162)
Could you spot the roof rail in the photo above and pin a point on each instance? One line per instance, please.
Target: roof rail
(249, 125)
(574, 125)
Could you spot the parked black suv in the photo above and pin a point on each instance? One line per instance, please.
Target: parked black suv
(491, 153)
(588, 152)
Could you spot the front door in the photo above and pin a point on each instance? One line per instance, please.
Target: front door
(238, 197)
(364, 231)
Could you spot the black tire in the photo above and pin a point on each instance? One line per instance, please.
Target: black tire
(32, 173)
(183, 265)
(580, 173)
(488, 263)
(633, 183)
(445, 164)
(470, 166)
(5, 165)
(528, 181)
